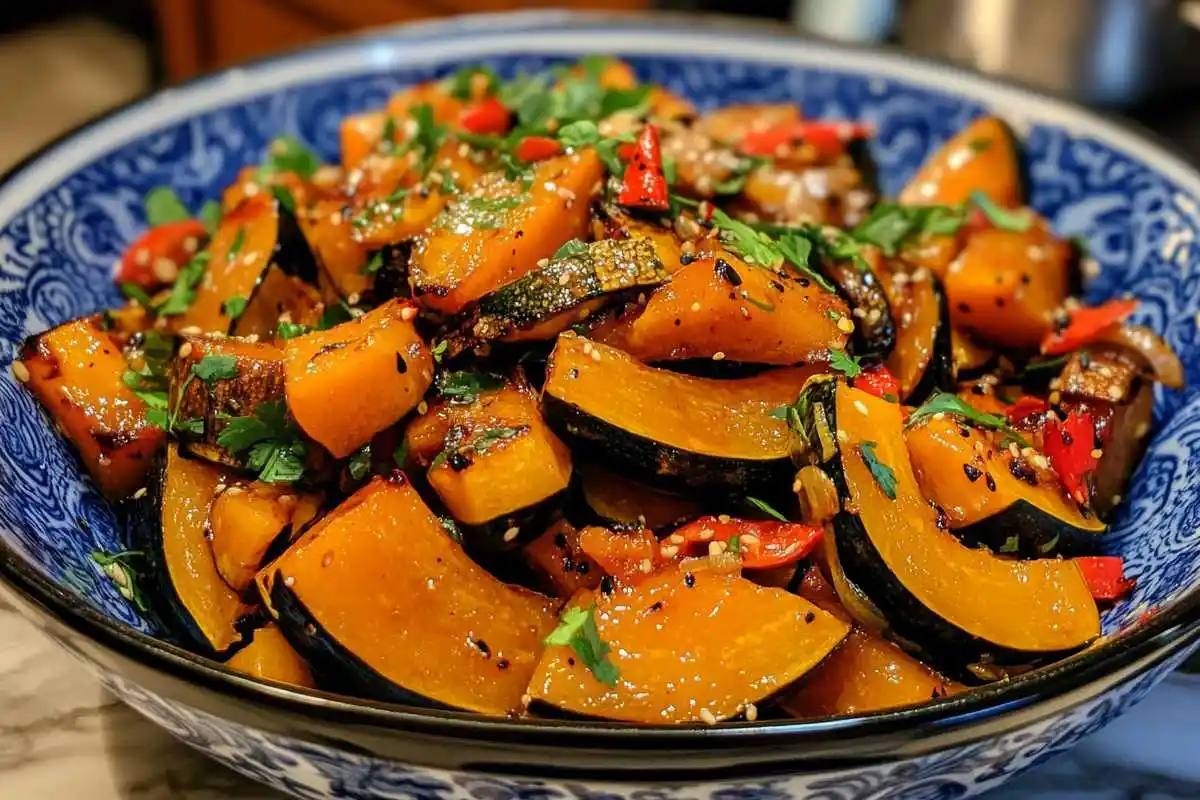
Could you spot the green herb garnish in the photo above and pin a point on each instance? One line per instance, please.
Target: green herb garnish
(163, 206)
(234, 307)
(461, 84)
(290, 330)
(575, 247)
(273, 445)
(360, 463)
(577, 630)
(285, 198)
(765, 507)
(183, 291)
(288, 154)
(465, 387)
(845, 363)
(122, 574)
(438, 351)
(1017, 221)
(374, 263)
(134, 292)
(882, 473)
(753, 246)
(210, 215)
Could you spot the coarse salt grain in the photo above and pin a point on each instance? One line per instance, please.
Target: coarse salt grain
(707, 717)
(511, 533)
(751, 712)
(861, 406)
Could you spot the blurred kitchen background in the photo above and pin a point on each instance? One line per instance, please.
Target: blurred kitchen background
(63, 61)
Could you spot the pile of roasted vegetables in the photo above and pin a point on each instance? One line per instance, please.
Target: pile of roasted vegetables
(557, 397)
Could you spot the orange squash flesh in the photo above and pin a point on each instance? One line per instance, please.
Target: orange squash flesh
(75, 371)
(246, 520)
(454, 266)
(270, 657)
(492, 477)
(1005, 285)
(616, 498)
(730, 124)
(422, 615)
(1041, 606)
(980, 157)
(628, 556)
(689, 648)
(329, 232)
(347, 383)
(359, 135)
(917, 311)
(722, 305)
(560, 562)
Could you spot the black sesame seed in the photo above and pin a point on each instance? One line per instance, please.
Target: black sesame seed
(560, 540)
(657, 606)
(502, 663)
(964, 308)
(483, 647)
(972, 472)
(689, 580)
(809, 617)
(727, 273)
(606, 584)
(990, 482)
(401, 364)
(458, 462)
(686, 258)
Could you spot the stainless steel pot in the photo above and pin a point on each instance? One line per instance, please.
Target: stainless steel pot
(1102, 52)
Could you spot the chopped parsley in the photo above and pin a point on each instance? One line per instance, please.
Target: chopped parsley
(210, 215)
(234, 307)
(426, 139)
(290, 330)
(765, 507)
(438, 351)
(479, 444)
(845, 363)
(374, 263)
(272, 444)
(289, 154)
(882, 473)
(1017, 221)
(163, 206)
(117, 568)
(577, 630)
(400, 454)
(947, 403)
(737, 179)
(461, 84)
(479, 213)
(465, 387)
(755, 247)
(211, 369)
(132, 291)
(183, 291)
(235, 247)
(285, 197)
(575, 247)
(360, 463)
(890, 226)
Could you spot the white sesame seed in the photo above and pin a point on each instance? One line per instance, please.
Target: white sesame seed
(1115, 392)
(1116, 499)
(190, 330)
(140, 493)
(191, 244)
(20, 371)
(327, 559)
(587, 348)
(408, 313)
(707, 717)
(142, 257)
(512, 533)
(842, 437)
(165, 269)
(525, 699)
(696, 306)
(718, 356)
(716, 548)
(751, 712)
(706, 534)
(289, 581)
(647, 565)
(422, 408)
(675, 538)
(1141, 430)
(724, 519)
(845, 325)
(670, 551)
(595, 355)
(939, 416)
(749, 539)
(861, 406)
(1041, 462)
(1097, 453)
(185, 349)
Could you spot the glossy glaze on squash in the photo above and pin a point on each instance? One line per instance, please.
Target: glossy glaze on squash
(980, 157)
(616, 499)
(423, 623)
(922, 360)
(711, 432)
(688, 647)
(348, 383)
(471, 251)
(721, 305)
(269, 657)
(247, 521)
(559, 562)
(76, 370)
(959, 603)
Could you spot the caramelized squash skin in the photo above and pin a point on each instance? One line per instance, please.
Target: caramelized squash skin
(424, 623)
(981, 157)
(721, 306)
(269, 657)
(689, 642)
(347, 383)
(715, 433)
(471, 253)
(76, 372)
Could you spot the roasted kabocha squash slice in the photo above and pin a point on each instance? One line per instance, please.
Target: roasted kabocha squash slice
(250, 521)
(346, 384)
(923, 359)
(169, 524)
(76, 370)
(615, 499)
(500, 231)
(343, 260)
(1013, 503)
(251, 375)
(560, 564)
(671, 430)
(963, 606)
(858, 282)
(269, 657)
(257, 267)
(1006, 285)
(692, 643)
(423, 624)
(548, 300)
(981, 157)
(497, 467)
(721, 307)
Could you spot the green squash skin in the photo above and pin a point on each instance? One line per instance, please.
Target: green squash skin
(939, 372)
(946, 646)
(292, 254)
(532, 521)
(608, 266)
(1037, 533)
(871, 341)
(655, 463)
(333, 666)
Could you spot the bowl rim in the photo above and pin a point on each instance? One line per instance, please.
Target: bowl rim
(1164, 632)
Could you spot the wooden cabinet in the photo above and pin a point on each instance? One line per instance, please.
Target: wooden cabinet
(201, 35)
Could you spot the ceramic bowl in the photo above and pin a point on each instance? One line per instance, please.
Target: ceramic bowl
(66, 214)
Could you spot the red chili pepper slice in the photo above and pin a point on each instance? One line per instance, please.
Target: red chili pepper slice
(1069, 445)
(1105, 576)
(175, 242)
(488, 116)
(1086, 325)
(644, 184)
(537, 148)
(879, 381)
(1026, 406)
(829, 138)
(762, 544)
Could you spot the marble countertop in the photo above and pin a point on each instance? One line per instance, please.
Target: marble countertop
(61, 735)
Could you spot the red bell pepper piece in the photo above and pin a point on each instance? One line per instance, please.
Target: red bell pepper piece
(485, 117)
(175, 242)
(1086, 325)
(879, 381)
(762, 544)
(645, 184)
(1069, 445)
(537, 148)
(829, 138)
(1026, 406)
(1105, 576)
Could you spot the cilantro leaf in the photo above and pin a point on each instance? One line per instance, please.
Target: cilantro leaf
(211, 369)
(575, 247)
(845, 363)
(234, 307)
(163, 206)
(427, 138)
(577, 630)
(374, 263)
(273, 444)
(290, 330)
(797, 250)
(289, 154)
(889, 227)
(183, 291)
(882, 473)
(635, 101)
(582, 133)
(766, 508)
(134, 292)
(235, 247)
(438, 351)
(360, 463)
(285, 197)
(210, 215)
(754, 246)
(400, 454)
(1018, 221)
(465, 387)
(461, 84)
(123, 575)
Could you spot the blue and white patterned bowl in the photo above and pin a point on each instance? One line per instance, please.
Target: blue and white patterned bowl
(68, 212)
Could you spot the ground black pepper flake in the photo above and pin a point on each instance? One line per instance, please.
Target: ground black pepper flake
(458, 462)
(964, 432)
(560, 540)
(483, 647)
(999, 302)
(401, 364)
(972, 472)
(657, 606)
(502, 663)
(678, 322)
(809, 617)
(990, 482)
(582, 568)
(686, 258)
(727, 273)
(606, 584)
(689, 580)
(1021, 470)
(941, 521)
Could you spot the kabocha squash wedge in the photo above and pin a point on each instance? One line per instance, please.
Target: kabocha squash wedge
(270, 658)
(618, 500)
(566, 283)
(923, 359)
(258, 266)
(257, 379)
(1027, 511)
(347, 383)
(980, 157)
(685, 650)
(76, 371)
(861, 287)
(720, 306)
(960, 604)
(169, 524)
(249, 521)
(343, 260)
(668, 429)
(500, 232)
(560, 563)
(382, 602)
